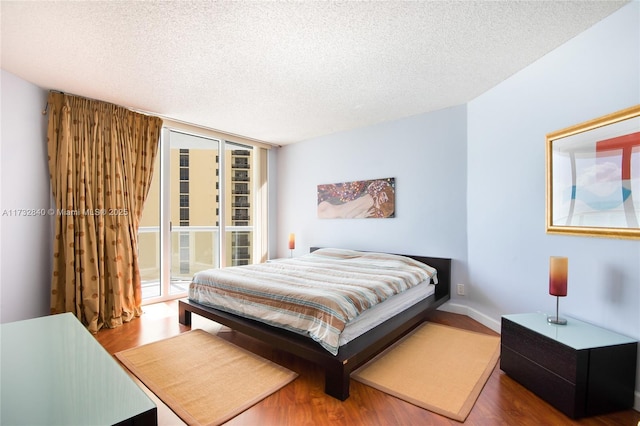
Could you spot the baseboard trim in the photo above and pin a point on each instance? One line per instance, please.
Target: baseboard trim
(494, 325)
(483, 319)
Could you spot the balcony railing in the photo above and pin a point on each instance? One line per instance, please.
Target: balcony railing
(200, 251)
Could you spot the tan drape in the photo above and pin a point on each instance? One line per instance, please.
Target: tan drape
(101, 160)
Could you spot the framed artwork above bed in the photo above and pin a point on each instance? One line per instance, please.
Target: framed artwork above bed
(358, 199)
(593, 177)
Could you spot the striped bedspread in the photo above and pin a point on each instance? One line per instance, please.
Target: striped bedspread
(315, 295)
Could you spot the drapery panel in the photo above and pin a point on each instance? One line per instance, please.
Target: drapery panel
(101, 160)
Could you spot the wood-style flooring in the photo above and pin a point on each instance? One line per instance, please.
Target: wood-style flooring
(303, 402)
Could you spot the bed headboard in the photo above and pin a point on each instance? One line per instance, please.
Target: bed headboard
(442, 265)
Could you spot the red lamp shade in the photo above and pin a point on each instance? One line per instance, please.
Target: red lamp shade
(292, 241)
(558, 271)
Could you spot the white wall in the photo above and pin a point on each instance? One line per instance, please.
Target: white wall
(426, 154)
(592, 75)
(25, 249)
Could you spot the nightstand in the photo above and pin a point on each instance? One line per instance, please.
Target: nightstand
(579, 368)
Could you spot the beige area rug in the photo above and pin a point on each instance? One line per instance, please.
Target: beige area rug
(440, 368)
(203, 378)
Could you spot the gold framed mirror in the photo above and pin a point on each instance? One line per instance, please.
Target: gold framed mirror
(593, 177)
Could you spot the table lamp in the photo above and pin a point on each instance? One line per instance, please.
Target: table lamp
(292, 243)
(558, 271)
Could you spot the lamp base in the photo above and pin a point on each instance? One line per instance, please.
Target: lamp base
(556, 320)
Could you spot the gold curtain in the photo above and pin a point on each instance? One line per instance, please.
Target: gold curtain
(101, 160)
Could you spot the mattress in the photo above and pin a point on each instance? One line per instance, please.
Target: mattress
(380, 313)
(319, 294)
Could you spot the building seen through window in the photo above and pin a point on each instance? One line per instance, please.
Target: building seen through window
(206, 201)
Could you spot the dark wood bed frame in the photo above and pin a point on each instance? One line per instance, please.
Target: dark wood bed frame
(350, 356)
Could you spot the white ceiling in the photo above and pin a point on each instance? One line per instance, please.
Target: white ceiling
(282, 72)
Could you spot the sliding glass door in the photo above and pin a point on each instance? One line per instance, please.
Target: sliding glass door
(193, 208)
(199, 214)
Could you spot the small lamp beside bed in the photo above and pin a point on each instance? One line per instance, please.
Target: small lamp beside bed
(558, 267)
(292, 243)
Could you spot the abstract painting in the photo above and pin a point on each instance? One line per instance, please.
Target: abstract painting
(358, 199)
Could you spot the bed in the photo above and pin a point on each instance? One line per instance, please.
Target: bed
(359, 340)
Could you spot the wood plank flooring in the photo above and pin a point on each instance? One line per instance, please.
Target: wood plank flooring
(303, 402)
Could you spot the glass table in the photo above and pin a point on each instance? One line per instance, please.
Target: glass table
(54, 372)
(575, 334)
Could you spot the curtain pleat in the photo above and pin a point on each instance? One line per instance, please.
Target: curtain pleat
(101, 160)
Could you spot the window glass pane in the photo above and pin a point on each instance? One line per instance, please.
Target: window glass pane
(190, 165)
(239, 248)
(184, 173)
(193, 204)
(241, 245)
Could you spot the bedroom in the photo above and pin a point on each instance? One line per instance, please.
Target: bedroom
(488, 217)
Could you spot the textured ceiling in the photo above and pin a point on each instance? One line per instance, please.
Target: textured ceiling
(282, 72)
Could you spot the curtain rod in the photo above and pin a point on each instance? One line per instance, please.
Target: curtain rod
(180, 124)
(46, 106)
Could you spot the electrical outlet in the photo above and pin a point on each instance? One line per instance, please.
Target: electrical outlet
(460, 289)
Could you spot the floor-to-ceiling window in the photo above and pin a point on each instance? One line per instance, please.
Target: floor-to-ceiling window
(203, 210)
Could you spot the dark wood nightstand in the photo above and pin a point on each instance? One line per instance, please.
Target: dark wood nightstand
(579, 368)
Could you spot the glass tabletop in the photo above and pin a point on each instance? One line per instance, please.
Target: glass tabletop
(576, 334)
(53, 371)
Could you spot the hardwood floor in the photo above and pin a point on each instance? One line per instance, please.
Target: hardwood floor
(303, 402)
